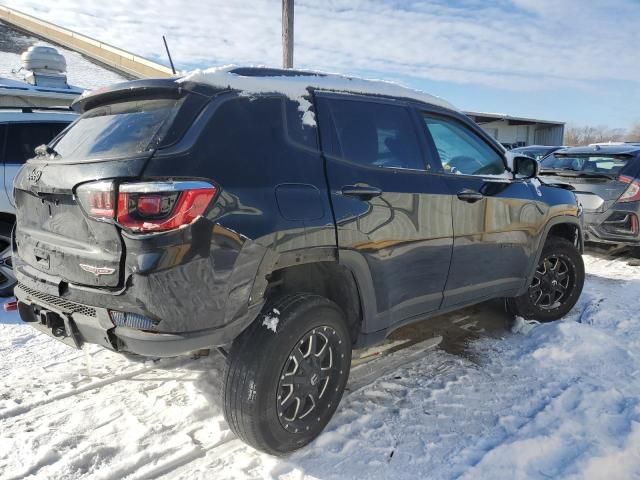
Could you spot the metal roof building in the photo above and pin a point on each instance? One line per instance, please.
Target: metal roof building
(519, 131)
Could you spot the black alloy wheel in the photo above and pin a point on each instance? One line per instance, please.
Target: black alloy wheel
(7, 277)
(556, 283)
(286, 373)
(552, 282)
(313, 369)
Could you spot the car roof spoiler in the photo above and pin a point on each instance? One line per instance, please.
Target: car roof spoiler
(147, 88)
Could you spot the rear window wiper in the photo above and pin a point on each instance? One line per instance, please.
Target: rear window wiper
(43, 150)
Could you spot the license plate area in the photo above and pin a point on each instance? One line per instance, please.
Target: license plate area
(55, 324)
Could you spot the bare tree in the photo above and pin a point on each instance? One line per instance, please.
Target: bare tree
(588, 134)
(633, 134)
(571, 135)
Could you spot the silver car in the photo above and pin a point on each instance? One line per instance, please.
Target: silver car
(21, 131)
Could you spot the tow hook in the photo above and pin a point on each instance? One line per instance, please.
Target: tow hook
(59, 332)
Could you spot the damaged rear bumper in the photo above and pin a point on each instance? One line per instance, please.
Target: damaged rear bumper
(75, 324)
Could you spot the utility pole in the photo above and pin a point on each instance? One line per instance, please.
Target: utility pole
(287, 33)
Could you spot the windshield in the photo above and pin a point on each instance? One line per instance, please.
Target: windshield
(607, 165)
(537, 153)
(118, 130)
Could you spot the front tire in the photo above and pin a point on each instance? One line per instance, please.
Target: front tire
(556, 285)
(286, 373)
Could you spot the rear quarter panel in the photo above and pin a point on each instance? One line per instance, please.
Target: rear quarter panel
(273, 200)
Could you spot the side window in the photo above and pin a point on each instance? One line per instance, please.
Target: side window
(461, 151)
(374, 134)
(23, 138)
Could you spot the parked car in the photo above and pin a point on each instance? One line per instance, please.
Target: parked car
(21, 131)
(536, 151)
(284, 227)
(606, 180)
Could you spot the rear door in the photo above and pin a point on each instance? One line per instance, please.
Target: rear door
(495, 219)
(391, 213)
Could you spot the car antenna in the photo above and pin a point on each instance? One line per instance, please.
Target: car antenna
(173, 69)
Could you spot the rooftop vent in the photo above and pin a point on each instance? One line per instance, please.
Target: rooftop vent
(45, 67)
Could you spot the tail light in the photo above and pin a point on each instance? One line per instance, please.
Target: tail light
(147, 206)
(98, 199)
(632, 193)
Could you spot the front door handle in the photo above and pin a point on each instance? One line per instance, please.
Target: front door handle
(470, 196)
(361, 191)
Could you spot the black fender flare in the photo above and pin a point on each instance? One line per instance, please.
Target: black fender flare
(558, 220)
(357, 265)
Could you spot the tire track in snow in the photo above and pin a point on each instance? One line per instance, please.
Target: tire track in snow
(13, 412)
(361, 376)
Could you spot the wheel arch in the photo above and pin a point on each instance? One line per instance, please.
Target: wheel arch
(345, 280)
(564, 226)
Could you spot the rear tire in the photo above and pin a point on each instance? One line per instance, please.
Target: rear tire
(7, 277)
(556, 286)
(286, 373)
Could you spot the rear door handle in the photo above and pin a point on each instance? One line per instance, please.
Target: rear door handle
(470, 196)
(361, 191)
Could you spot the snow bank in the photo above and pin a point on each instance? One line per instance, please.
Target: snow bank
(295, 87)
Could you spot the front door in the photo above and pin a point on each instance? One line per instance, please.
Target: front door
(495, 218)
(391, 214)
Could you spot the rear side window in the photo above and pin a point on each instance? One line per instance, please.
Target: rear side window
(373, 134)
(23, 138)
(606, 164)
(461, 150)
(119, 130)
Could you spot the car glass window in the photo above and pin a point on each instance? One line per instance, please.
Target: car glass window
(607, 164)
(537, 153)
(119, 129)
(299, 129)
(375, 134)
(461, 150)
(23, 138)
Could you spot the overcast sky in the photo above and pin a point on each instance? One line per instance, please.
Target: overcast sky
(568, 60)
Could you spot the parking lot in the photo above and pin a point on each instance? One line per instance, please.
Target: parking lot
(220, 260)
(482, 401)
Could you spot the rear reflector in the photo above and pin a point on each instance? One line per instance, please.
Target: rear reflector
(632, 193)
(131, 320)
(10, 306)
(147, 206)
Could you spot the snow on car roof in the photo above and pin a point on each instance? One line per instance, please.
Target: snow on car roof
(295, 83)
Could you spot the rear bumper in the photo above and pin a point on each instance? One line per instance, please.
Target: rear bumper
(596, 231)
(75, 324)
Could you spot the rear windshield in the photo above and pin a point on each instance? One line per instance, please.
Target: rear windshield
(537, 153)
(606, 164)
(118, 130)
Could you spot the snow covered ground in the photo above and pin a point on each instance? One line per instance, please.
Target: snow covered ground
(562, 401)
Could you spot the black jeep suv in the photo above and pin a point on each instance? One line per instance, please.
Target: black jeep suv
(176, 215)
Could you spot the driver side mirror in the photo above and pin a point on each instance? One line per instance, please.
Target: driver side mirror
(526, 167)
